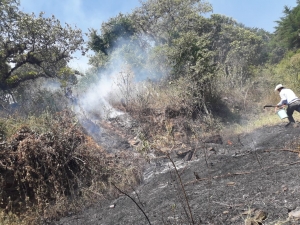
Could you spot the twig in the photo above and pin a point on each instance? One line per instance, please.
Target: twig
(137, 195)
(183, 190)
(289, 150)
(228, 205)
(94, 192)
(79, 159)
(208, 171)
(239, 173)
(133, 201)
(255, 153)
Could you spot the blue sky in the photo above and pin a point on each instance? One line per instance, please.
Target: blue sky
(91, 13)
(253, 13)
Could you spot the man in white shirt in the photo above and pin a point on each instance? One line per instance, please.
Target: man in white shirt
(289, 98)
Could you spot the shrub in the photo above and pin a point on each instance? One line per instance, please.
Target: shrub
(47, 171)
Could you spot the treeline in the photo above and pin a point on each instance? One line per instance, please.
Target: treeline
(160, 39)
(213, 53)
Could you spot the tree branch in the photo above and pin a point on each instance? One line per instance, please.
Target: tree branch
(133, 201)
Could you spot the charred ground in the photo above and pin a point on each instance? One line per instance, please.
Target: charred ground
(250, 178)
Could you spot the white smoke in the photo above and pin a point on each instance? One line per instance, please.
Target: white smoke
(120, 83)
(94, 100)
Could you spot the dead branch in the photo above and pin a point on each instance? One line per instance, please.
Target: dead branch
(239, 173)
(124, 193)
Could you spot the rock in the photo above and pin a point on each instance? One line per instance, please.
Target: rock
(211, 149)
(189, 156)
(197, 176)
(171, 113)
(216, 139)
(295, 213)
(182, 153)
(260, 215)
(162, 152)
(257, 219)
(230, 183)
(250, 221)
(133, 142)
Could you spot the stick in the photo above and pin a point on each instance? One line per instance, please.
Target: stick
(269, 106)
(183, 189)
(133, 201)
(239, 173)
(289, 150)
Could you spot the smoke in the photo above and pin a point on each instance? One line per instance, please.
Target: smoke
(125, 68)
(129, 66)
(94, 100)
(51, 85)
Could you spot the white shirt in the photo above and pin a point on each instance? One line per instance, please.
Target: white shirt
(9, 98)
(287, 96)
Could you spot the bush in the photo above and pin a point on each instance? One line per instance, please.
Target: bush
(47, 172)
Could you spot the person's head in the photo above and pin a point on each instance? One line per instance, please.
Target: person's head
(279, 87)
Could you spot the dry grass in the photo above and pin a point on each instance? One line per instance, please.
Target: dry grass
(265, 118)
(50, 167)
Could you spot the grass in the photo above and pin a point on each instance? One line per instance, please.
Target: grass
(39, 124)
(54, 147)
(265, 118)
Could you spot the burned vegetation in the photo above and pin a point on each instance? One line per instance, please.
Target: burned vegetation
(56, 171)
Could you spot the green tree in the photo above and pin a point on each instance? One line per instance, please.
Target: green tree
(112, 33)
(237, 49)
(147, 38)
(33, 47)
(165, 20)
(288, 29)
(165, 37)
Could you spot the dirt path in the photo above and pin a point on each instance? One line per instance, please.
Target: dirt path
(257, 171)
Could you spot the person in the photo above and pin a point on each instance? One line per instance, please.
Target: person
(69, 95)
(289, 99)
(13, 105)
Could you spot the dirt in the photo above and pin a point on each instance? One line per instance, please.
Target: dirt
(251, 178)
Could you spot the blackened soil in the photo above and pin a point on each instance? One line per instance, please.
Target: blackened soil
(222, 184)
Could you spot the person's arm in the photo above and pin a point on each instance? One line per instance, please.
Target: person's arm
(281, 104)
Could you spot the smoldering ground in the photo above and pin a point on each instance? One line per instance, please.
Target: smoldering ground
(255, 172)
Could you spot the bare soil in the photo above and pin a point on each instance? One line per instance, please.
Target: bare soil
(223, 184)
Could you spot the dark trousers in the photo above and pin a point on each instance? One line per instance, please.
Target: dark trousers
(291, 108)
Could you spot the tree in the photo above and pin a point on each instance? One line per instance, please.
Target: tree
(288, 29)
(165, 38)
(33, 47)
(117, 28)
(164, 20)
(237, 49)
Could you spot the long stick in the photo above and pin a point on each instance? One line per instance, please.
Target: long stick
(183, 189)
(133, 201)
(269, 106)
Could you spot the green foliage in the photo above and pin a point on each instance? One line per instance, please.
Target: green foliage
(188, 53)
(164, 20)
(120, 27)
(67, 77)
(287, 30)
(34, 46)
(287, 71)
(237, 49)
(173, 40)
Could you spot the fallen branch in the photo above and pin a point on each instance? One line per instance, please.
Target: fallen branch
(239, 173)
(228, 205)
(283, 149)
(133, 201)
(183, 190)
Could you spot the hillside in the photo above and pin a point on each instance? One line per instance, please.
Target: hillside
(250, 178)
